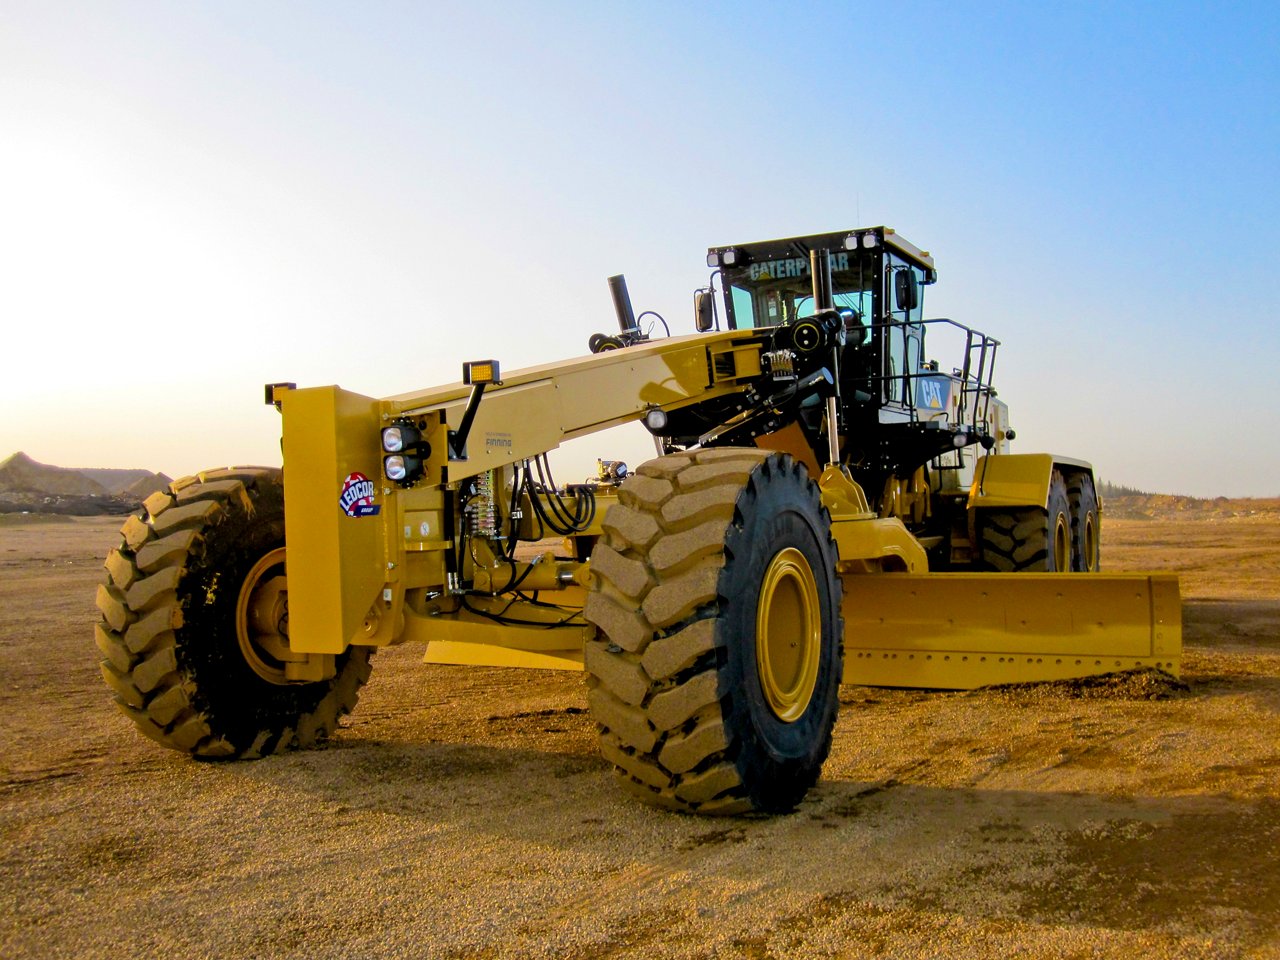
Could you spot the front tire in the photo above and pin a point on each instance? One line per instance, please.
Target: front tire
(715, 680)
(194, 624)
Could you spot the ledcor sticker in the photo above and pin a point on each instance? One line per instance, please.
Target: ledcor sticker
(356, 499)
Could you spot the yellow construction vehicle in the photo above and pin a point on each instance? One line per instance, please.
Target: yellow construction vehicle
(826, 505)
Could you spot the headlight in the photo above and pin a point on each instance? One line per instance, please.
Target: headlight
(398, 437)
(807, 336)
(402, 468)
(409, 452)
(395, 467)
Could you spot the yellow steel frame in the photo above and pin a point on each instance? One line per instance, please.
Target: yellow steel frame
(348, 575)
(462, 636)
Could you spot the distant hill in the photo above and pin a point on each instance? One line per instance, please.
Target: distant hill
(28, 486)
(145, 486)
(1165, 506)
(1129, 503)
(116, 481)
(20, 474)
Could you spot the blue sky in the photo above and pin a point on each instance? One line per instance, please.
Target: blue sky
(198, 199)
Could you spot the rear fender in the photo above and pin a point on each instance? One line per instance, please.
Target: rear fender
(1007, 480)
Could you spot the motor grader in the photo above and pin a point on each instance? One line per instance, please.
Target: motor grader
(826, 504)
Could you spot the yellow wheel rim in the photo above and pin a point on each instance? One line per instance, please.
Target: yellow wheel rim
(1090, 544)
(788, 635)
(262, 618)
(1061, 544)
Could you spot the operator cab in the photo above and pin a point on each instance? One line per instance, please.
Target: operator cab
(877, 282)
(898, 412)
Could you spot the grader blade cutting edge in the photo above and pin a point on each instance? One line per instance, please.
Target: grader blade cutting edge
(963, 630)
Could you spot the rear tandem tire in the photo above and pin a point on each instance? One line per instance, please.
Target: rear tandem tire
(180, 654)
(1086, 524)
(715, 679)
(1031, 539)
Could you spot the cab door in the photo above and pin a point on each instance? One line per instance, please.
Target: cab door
(903, 285)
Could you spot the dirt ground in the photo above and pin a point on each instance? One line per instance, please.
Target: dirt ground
(466, 813)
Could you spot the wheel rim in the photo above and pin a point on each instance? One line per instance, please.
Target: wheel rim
(788, 635)
(1061, 544)
(262, 618)
(1090, 544)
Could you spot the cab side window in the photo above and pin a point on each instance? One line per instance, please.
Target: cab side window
(744, 314)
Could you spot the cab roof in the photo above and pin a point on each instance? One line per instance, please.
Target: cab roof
(838, 240)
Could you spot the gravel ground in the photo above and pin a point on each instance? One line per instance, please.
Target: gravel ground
(466, 813)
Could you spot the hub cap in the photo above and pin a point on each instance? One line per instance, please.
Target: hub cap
(262, 618)
(788, 635)
(1090, 544)
(1061, 544)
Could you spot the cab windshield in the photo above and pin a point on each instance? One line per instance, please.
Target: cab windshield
(775, 292)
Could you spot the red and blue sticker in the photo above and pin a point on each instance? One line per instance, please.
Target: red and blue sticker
(356, 499)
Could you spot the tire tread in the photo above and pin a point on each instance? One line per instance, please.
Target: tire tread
(138, 635)
(653, 677)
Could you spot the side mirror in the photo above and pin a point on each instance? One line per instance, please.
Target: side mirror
(905, 292)
(704, 310)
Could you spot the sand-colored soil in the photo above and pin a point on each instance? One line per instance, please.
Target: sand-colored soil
(466, 813)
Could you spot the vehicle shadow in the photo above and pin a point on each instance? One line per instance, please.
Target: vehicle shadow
(852, 851)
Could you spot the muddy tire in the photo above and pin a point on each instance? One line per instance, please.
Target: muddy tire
(1031, 539)
(1086, 524)
(178, 656)
(714, 679)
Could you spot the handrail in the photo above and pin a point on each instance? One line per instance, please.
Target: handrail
(976, 388)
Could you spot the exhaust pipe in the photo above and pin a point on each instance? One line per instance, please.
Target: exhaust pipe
(622, 307)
